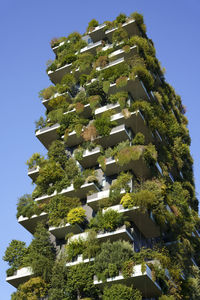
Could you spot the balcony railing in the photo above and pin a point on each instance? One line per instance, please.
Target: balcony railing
(71, 192)
(140, 279)
(135, 87)
(89, 158)
(142, 219)
(139, 167)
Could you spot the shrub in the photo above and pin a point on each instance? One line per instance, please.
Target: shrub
(84, 61)
(143, 75)
(57, 153)
(110, 259)
(41, 123)
(94, 101)
(92, 24)
(127, 201)
(119, 35)
(129, 153)
(121, 81)
(36, 160)
(95, 88)
(127, 269)
(120, 291)
(103, 124)
(101, 61)
(120, 19)
(59, 207)
(35, 288)
(41, 253)
(76, 215)
(47, 93)
(120, 97)
(139, 20)
(139, 139)
(89, 133)
(15, 254)
(74, 248)
(27, 207)
(108, 221)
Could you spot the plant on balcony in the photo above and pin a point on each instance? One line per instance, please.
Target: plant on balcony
(121, 81)
(83, 62)
(89, 133)
(14, 255)
(101, 62)
(120, 35)
(112, 73)
(121, 183)
(103, 124)
(58, 209)
(41, 253)
(120, 291)
(36, 160)
(76, 216)
(120, 19)
(144, 75)
(95, 88)
(34, 289)
(57, 153)
(139, 139)
(56, 41)
(91, 25)
(47, 93)
(41, 123)
(58, 280)
(110, 220)
(50, 174)
(60, 102)
(27, 207)
(109, 261)
(94, 101)
(80, 282)
(120, 97)
(140, 21)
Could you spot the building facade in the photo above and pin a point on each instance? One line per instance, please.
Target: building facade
(114, 213)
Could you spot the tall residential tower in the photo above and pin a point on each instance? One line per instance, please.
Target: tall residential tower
(113, 213)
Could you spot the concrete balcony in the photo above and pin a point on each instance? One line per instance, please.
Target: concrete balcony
(57, 75)
(79, 260)
(139, 168)
(87, 112)
(73, 140)
(121, 233)
(99, 111)
(30, 224)
(45, 102)
(91, 48)
(94, 199)
(129, 26)
(71, 192)
(135, 87)
(33, 172)
(136, 122)
(98, 33)
(142, 219)
(20, 276)
(142, 281)
(121, 53)
(56, 47)
(118, 134)
(112, 64)
(47, 135)
(89, 159)
(61, 231)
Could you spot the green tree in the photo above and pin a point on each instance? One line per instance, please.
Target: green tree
(41, 253)
(121, 292)
(15, 254)
(58, 281)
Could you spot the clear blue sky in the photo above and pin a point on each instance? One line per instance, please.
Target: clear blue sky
(26, 28)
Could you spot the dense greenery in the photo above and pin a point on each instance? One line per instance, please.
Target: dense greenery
(166, 196)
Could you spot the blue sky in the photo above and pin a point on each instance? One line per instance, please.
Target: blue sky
(26, 28)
